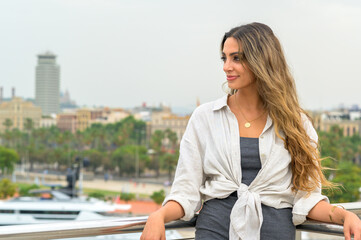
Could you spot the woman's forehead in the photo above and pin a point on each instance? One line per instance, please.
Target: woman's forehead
(231, 45)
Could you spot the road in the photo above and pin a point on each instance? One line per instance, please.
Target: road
(142, 187)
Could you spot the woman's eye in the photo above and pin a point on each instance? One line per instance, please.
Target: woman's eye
(223, 59)
(236, 59)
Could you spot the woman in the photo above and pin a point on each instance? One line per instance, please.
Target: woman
(251, 155)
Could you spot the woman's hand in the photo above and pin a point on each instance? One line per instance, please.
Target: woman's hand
(352, 226)
(154, 228)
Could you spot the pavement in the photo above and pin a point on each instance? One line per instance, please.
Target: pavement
(138, 187)
(124, 186)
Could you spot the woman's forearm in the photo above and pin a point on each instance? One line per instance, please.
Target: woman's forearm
(171, 211)
(326, 212)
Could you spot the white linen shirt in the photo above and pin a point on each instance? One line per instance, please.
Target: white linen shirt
(209, 166)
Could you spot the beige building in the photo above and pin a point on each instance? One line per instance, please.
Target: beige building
(81, 119)
(85, 117)
(164, 120)
(349, 127)
(67, 122)
(48, 121)
(324, 122)
(111, 115)
(18, 110)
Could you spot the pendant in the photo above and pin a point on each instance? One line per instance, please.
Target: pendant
(247, 124)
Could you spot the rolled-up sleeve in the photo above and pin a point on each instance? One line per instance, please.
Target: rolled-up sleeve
(303, 203)
(189, 173)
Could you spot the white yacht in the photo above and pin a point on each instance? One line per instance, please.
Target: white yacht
(57, 206)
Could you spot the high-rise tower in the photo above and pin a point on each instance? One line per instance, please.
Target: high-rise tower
(47, 84)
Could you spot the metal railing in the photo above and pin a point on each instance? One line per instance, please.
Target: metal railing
(74, 229)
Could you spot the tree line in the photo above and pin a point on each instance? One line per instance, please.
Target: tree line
(342, 160)
(123, 148)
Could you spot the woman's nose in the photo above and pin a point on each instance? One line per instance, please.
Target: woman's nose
(227, 66)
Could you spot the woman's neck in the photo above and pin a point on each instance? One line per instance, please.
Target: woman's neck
(249, 99)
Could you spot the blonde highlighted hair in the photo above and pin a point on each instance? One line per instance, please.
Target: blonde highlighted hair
(262, 53)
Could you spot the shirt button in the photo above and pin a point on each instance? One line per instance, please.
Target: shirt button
(263, 156)
(261, 137)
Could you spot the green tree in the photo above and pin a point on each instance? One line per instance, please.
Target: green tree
(156, 144)
(169, 163)
(7, 136)
(125, 158)
(348, 175)
(8, 159)
(127, 196)
(8, 123)
(95, 157)
(172, 139)
(158, 196)
(98, 136)
(28, 125)
(340, 153)
(7, 188)
(335, 148)
(124, 130)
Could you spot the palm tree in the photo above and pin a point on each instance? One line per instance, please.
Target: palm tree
(28, 126)
(124, 158)
(172, 139)
(169, 162)
(8, 123)
(40, 136)
(156, 143)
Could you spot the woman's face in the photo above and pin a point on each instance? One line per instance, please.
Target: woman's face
(239, 76)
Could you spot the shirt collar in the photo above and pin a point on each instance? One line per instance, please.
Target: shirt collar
(220, 103)
(268, 124)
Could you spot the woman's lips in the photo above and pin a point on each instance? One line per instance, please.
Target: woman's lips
(231, 78)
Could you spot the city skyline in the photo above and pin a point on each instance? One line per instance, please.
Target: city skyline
(121, 54)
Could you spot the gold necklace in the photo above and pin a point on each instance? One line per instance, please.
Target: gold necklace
(248, 123)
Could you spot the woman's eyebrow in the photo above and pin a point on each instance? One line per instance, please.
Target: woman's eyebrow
(234, 53)
(231, 54)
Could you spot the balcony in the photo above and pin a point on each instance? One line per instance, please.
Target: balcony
(63, 230)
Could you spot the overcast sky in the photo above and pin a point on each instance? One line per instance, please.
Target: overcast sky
(121, 53)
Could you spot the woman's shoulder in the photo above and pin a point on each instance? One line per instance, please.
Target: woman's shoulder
(308, 126)
(210, 107)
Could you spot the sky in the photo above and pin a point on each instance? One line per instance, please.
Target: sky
(122, 53)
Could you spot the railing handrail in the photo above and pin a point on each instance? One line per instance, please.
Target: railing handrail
(72, 229)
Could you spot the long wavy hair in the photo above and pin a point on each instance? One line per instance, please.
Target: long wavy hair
(262, 52)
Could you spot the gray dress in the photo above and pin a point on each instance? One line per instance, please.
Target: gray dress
(214, 218)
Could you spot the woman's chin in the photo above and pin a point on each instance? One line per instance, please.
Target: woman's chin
(232, 85)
